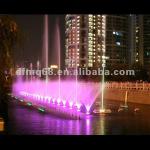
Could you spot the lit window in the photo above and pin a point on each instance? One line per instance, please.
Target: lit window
(90, 65)
(118, 43)
(90, 15)
(117, 33)
(90, 20)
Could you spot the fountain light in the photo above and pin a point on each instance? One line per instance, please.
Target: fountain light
(53, 100)
(58, 101)
(41, 109)
(78, 106)
(64, 103)
(70, 104)
(87, 112)
(29, 104)
(88, 109)
(49, 100)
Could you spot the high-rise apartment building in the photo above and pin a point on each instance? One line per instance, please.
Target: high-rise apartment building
(89, 37)
(146, 41)
(117, 46)
(136, 39)
(140, 40)
(85, 40)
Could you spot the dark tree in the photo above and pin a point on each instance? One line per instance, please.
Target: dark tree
(9, 38)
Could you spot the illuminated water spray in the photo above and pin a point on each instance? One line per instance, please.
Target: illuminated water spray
(76, 67)
(59, 53)
(103, 60)
(46, 43)
(38, 65)
(31, 67)
(103, 110)
(46, 95)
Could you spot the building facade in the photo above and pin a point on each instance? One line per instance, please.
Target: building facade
(89, 37)
(136, 39)
(85, 40)
(146, 42)
(117, 46)
(140, 40)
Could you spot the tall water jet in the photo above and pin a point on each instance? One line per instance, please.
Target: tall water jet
(31, 68)
(76, 66)
(59, 53)
(103, 110)
(38, 65)
(46, 44)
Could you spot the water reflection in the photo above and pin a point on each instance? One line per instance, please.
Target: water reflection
(102, 125)
(25, 120)
(88, 126)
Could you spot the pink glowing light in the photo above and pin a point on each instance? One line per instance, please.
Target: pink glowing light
(64, 103)
(36, 92)
(53, 100)
(58, 101)
(88, 109)
(71, 104)
(78, 106)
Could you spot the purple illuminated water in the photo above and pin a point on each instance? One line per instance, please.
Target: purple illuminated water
(43, 94)
(57, 94)
(57, 46)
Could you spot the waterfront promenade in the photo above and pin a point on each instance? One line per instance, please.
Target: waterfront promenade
(137, 92)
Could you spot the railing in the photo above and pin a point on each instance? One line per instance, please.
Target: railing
(128, 85)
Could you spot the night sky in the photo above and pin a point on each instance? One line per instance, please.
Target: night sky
(32, 28)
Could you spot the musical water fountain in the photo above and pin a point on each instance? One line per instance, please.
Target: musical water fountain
(70, 98)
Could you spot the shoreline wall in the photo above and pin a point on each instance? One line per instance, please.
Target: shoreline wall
(134, 95)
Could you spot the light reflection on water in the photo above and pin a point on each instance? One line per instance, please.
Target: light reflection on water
(23, 120)
(102, 125)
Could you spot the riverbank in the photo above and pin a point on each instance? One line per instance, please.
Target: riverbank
(134, 95)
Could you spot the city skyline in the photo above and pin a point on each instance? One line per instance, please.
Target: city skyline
(133, 30)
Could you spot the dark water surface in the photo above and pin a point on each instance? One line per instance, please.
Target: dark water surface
(25, 120)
